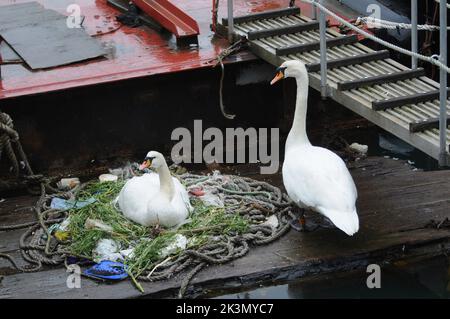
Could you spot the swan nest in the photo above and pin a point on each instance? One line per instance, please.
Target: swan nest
(231, 214)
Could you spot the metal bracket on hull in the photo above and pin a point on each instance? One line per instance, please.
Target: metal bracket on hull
(171, 18)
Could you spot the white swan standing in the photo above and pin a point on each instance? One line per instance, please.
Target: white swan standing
(315, 178)
(155, 198)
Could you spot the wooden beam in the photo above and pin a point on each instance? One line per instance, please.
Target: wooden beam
(305, 47)
(379, 79)
(382, 105)
(427, 124)
(301, 27)
(358, 59)
(264, 15)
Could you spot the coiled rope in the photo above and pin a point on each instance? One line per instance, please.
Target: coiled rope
(430, 59)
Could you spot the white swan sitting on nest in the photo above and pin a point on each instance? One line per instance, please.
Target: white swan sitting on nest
(315, 178)
(155, 198)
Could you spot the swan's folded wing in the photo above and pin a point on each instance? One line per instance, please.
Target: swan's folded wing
(319, 178)
(136, 193)
(180, 189)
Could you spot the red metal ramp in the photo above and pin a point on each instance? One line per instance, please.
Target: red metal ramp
(170, 17)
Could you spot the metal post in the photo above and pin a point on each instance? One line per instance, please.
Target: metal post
(443, 85)
(414, 42)
(314, 11)
(230, 21)
(323, 53)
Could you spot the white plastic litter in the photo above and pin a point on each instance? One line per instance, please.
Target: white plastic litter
(68, 183)
(179, 243)
(64, 225)
(359, 148)
(106, 249)
(211, 199)
(272, 221)
(108, 178)
(97, 224)
(124, 172)
(127, 253)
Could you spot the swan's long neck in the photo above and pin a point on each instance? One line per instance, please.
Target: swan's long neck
(297, 134)
(166, 185)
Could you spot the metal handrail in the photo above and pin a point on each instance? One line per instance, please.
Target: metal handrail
(442, 64)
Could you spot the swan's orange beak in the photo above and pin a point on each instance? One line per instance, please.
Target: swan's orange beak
(145, 164)
(277, 78)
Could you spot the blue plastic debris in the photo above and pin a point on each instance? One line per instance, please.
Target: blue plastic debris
(107, 270)
(60, 203)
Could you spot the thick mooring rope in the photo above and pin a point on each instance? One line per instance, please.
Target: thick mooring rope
(11, 146)
(220, 57)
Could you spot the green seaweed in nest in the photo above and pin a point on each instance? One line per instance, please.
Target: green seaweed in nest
(205, 222)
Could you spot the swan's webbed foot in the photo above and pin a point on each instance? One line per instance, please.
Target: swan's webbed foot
(327, 224)
(300, 224)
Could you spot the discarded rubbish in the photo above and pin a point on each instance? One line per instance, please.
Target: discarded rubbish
(196, 191)
(97, 224)
(108, 270)
(107, 249)
(62, 235)
(68, 183)
(65, 224)
(64, 204)
(272, 221)
(359, 148)
(179, 243)
(108, 178)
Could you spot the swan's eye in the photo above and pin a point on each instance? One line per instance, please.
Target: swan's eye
(281, 69)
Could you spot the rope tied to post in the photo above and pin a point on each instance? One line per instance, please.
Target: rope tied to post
(235, 47)
(11, 146)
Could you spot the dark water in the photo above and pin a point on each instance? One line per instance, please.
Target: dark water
(425, 279)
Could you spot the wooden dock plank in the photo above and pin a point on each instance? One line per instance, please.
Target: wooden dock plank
(393, 217)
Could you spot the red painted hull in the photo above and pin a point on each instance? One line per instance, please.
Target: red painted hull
(134, 52)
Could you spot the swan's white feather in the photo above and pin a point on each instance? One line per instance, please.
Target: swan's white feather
(318, 179)
(141, 201)
(314, 177)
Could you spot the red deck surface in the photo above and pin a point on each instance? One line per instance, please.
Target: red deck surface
(135, 52)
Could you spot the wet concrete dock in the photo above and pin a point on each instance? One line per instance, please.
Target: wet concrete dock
(396, 204)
